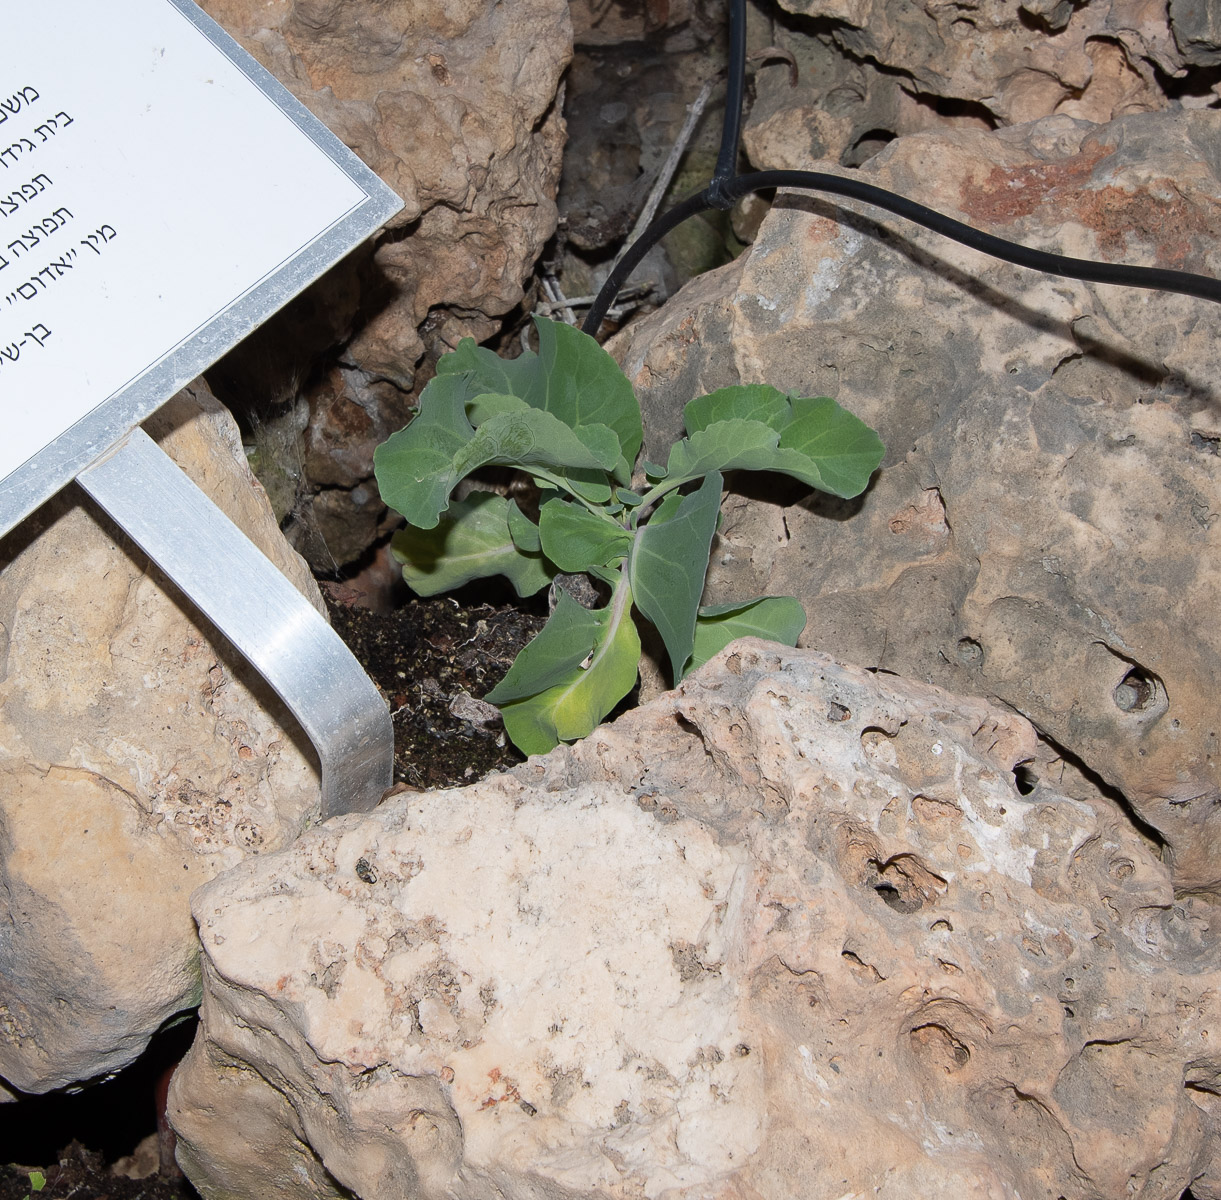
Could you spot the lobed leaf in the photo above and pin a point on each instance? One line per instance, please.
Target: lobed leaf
(824, 446)
(668, 564)
(487, 372)
(776, 618)
(414, 467)
(472, 541)
(576, 539)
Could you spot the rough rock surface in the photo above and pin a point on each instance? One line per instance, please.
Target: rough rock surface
(1014, 62)
(454, 106)
(137, 759)
(1044, 530)
(791, 930)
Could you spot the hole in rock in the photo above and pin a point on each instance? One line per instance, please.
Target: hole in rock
(1025, 779)
(905, 884)
(865, 972)
(110, 1119)
(865, 147)
(970, 653)
(837, 712)
(1136, 692)
(938, 1048)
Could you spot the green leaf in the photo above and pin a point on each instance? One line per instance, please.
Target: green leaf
(844, 451)
(523, 531)
(532, 438)
(652, 470)
(414, 467)
(489, 404)
(777, 618)
(585, 386)
(735, 444)
(557, 649)
(579, 696)
(747, 402)
(472, 541)
(488, 372)
(576, 539)
(38, 1180)
(824, 446)
(668, 565)
(571, 377)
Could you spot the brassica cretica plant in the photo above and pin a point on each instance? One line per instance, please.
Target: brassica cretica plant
(568, 419)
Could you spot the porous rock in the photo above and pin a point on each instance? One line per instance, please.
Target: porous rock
(1044, 529)
(791, 930)
(139, 756)
(454, 106)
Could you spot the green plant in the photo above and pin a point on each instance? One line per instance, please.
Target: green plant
(38, 1181)
(567, 417)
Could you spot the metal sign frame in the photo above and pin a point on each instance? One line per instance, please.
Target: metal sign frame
(180, 529)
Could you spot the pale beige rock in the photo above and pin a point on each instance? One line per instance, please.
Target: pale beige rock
(138, 756)
(791, 930)
(454, 106)
(1044, 529)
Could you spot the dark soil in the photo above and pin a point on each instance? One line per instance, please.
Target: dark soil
(84, 1175)
(434, 660)
(45, 1134)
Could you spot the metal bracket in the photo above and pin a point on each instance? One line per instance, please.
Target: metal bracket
(243, 594)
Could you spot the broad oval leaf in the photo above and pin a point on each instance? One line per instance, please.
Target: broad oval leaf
(488, 404)
(472, 541)
(523, 531)
(744, 401)
(842, 449)
(414, 467)
(571, 377)
(585, 386)
(532, 438)
(776, 618)
(735, 444)
(668, 564)
(576, 539)
(565, 642)
(576, 705)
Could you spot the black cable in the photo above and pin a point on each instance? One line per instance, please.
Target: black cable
(731, 126)
(726, 188)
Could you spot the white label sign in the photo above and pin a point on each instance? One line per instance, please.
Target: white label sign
(160, 196)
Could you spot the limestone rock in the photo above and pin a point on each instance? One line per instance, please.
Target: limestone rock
(791, 930)
(139, 756)
(1044, 530)
(454, 106)
(1197, 31)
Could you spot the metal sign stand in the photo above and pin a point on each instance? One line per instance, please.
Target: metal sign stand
(239, 590)
(145, 284)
